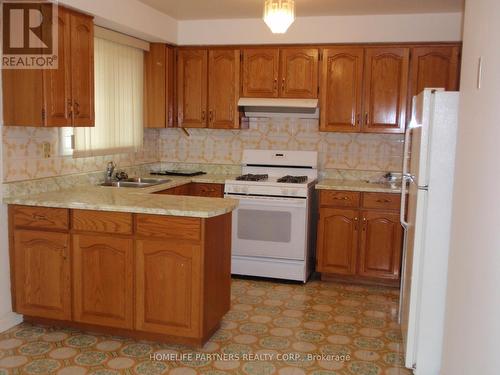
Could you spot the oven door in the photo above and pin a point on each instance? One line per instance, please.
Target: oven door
(270, 227)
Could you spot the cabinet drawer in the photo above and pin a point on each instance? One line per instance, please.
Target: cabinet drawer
(386, 201)
(207, 190)
(339, 198)
(41, 217)
(185, 228)
(177, 190)
(102, 221)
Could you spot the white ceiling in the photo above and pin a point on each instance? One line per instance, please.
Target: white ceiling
(221, 9)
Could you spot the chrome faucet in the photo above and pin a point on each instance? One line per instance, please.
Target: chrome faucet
(109, 171)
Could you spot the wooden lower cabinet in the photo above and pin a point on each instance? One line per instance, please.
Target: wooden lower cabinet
(196, 189)
(338, 234)
(207, 190)
(103, 280)
(42, 273)
(168, 287)
(363, 242)
(380, 250)
(153, 277)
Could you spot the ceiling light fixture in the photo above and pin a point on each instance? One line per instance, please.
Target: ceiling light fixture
(279, 15)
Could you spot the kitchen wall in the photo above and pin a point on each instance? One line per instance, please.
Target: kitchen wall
(328, 29)
(473, 302)
(370, 152)
(23, 158)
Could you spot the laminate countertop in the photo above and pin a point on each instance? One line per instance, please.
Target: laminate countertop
(358, 185)
(135, 200)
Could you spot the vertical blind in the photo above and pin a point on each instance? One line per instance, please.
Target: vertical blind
(118, 72)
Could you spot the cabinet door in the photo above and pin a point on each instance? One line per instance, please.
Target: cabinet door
(434, 67)
(57, 82)
(155, 88)
(224, 88)
(177, 190)
(170, 91)
(381, 245)
(22, 96)
(168, 281)
(337, 241)
(192, 83)
(103, 280)
(42, 274)
(341, 89)
(299, 73)
(385, 89)
(260, 72)
(82, 69)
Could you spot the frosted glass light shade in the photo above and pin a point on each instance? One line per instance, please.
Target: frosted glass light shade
(279, 15)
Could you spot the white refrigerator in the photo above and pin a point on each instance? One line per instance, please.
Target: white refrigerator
(426, 211)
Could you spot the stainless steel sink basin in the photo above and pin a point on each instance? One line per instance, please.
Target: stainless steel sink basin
(136, 182)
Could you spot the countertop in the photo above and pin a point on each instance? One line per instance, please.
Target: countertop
(356, 185)
(135, 200)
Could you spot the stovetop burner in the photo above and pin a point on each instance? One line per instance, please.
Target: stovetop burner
(252, 177)
(293, 179)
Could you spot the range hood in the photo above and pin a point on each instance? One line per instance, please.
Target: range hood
(264, 107)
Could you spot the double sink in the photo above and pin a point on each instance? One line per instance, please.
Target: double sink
(136, 182)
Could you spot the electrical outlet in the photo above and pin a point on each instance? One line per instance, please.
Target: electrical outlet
(46, 150)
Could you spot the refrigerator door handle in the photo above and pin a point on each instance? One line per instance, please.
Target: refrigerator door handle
(406, 177)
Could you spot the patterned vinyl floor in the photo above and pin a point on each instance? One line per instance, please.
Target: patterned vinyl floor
(273, 328)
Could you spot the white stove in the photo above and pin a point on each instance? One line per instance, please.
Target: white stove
(274, 224)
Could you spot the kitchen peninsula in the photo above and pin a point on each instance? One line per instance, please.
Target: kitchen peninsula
(123, 261)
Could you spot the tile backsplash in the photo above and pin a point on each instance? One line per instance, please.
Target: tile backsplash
(369, 152)
(23, 155)
(23, 159)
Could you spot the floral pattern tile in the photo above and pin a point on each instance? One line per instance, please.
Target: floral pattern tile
(318, 328)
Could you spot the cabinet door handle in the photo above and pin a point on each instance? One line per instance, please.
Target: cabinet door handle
(367, 119)
(275, 84)
(77, 109)
(70, 108)
(364, 224)
(283, 85)
(39, 217)
(203, 116)
(358, 120)
(355, 223)
(170, 117)
(341, 198)
(210, 116)
(383, 201)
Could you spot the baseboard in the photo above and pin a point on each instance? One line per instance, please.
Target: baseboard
(9, 320)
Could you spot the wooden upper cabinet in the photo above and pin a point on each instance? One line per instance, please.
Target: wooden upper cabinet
(381, 244)
(56, 97)
(341, 89)
(155, 88)
(224, 88)
(159, 81)
(103, 280)
(434, 67)
(337, 241)
(57, 82)
(192, 82)
(299, 73)
(42, 274)
(82, 69)
(385, 89)
(168, 287)
(260, 73)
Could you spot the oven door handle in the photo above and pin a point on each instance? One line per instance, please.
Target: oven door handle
(246, 200)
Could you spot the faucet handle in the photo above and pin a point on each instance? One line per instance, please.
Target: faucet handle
(111, 164)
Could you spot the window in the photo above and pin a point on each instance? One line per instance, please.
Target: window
(118, 72)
